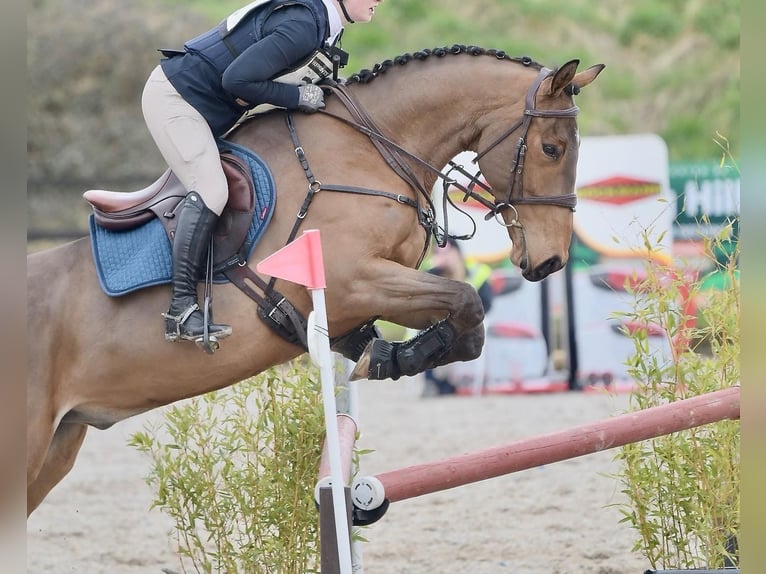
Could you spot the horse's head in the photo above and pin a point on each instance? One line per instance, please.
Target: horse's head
(530, 161)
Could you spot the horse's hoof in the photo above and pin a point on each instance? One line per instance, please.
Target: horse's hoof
(362, 368)
(377, 362)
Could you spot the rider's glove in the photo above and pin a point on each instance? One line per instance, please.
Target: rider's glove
(310, 99)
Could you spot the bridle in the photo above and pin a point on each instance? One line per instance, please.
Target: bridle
(397, 157)
(516, 181)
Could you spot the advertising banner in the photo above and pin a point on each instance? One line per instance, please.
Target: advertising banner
(706, 196)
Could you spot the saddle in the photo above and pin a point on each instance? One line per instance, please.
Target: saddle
(251, 187)
(121, 211)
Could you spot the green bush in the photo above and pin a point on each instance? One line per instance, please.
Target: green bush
(684, 489)
(720, 21)
(656, 19)
(620, 86)
(235, 469)
(691, 130)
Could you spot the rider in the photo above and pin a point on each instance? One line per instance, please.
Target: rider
(196, 95)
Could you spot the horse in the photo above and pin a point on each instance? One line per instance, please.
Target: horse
(95, 360)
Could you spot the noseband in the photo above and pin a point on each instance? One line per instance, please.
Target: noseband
(516, 180)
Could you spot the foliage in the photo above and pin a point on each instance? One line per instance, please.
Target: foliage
(87, 62)
(656, 19)
(236, 469)
(684, 489)
(720, 21)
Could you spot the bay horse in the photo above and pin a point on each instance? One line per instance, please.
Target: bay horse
(95, 360)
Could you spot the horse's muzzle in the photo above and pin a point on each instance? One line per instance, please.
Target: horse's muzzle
(550, 265)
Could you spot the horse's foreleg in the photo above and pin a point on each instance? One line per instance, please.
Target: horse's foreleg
(467, 348)
(450, 312)
(59, 460)
(437, 345)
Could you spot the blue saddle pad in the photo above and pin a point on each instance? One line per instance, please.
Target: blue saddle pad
(127, 261)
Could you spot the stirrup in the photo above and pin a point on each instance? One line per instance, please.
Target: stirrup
(179, 320)
(209, 343)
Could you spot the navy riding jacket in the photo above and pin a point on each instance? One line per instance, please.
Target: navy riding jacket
(212, 73)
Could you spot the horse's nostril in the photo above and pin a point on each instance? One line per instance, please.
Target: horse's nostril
(549, 266)
(540, 272)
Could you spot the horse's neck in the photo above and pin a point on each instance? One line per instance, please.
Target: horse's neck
(424, 122)
(435, 111)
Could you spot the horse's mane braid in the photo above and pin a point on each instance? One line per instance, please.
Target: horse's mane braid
(365, 76)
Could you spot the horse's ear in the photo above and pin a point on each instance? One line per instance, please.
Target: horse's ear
(586, 76)
(563, 77)
(567, 75)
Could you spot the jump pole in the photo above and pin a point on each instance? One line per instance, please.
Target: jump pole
(301, 262)
(370, 492)
(323, 496)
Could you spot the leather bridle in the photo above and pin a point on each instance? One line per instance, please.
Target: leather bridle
(516, 181)
(397, 157)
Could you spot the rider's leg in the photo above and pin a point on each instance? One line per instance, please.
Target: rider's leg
(185, 141)
(189, 148)
(184, 320)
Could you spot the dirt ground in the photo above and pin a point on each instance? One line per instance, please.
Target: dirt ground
(555, 519)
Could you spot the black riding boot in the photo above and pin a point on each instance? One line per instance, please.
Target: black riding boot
(184, 320)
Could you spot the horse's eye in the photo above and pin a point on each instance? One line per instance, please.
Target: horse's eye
(551, 151)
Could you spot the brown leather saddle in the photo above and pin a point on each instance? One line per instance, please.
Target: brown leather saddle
(120, 211)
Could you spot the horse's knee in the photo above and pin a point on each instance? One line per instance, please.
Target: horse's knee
(469, 310)
(468, 347)
(474, 341)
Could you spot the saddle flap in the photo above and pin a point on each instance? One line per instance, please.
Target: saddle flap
(236, 218)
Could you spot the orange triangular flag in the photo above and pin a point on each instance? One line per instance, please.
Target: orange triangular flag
(300, 261)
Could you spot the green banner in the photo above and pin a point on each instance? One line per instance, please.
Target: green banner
(707, 198)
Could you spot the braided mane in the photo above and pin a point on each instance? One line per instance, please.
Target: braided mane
(365, 76)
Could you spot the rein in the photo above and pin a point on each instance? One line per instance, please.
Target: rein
(395, 156)
(426, 217)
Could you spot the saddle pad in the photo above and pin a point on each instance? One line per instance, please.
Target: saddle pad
(130, 260)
